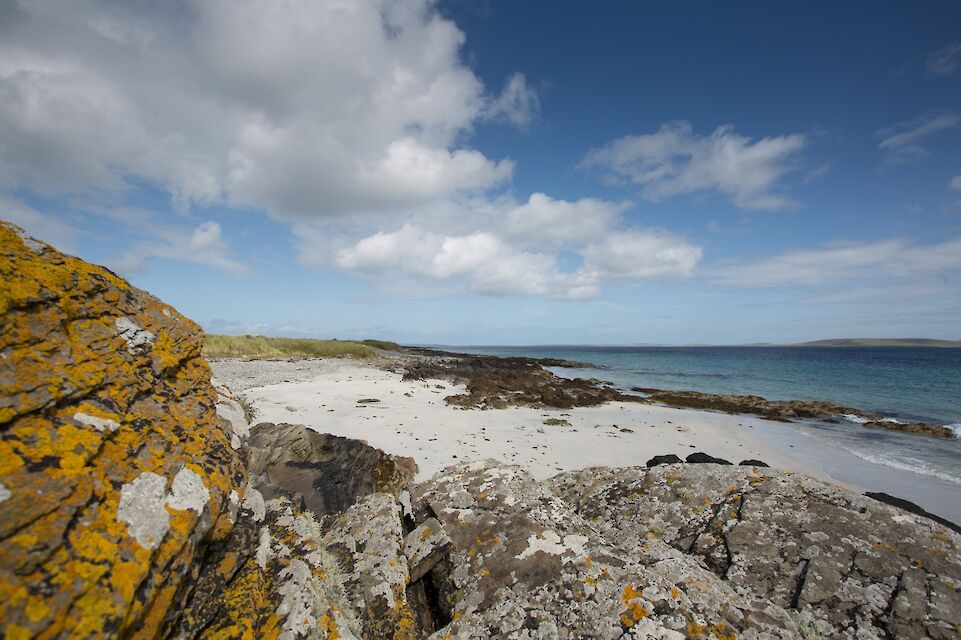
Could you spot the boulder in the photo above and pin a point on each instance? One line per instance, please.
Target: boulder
(665, 459)
(327, 472)
(703, 458)
(115, 472)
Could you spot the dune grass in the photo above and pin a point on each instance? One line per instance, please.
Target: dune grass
(386, 345)
(247, 346)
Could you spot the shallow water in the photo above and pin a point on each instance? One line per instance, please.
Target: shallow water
(905, 383)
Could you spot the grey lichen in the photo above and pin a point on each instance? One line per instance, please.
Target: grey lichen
(133, 335)
(141, 507)
(254, 502)
(188, 491)
(143, 501)
(100, 424)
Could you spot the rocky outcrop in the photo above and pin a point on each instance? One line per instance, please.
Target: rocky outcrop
(684, 551)
(115, 472)
(785, 410)
(496, 383)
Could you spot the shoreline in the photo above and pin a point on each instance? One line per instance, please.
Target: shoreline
(433, 408)
(411, 418)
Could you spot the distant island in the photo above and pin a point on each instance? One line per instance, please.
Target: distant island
(883, 342)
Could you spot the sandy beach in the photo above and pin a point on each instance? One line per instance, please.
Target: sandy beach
(411, 418)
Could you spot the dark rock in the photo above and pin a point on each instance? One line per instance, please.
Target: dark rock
(935, 430)
(703, 458)
(496, 383)
(782, 410)
(330, 472)
(666, 459)
(753, 463)
(910, 507)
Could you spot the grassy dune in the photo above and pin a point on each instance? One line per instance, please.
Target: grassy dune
(220, 346)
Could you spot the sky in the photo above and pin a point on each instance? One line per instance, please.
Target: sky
(465, 172)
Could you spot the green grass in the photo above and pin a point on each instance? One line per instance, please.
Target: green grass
(386, 345)
(219, 346)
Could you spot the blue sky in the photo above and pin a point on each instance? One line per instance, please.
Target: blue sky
(503, 172)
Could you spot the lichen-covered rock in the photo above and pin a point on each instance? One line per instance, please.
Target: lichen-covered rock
(683, 551)
(116, 471)
(368, 541)
(839, 564)
(273, 579)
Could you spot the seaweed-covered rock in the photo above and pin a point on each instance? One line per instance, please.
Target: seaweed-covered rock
(785, 410)
(495, 383)
(115, 471)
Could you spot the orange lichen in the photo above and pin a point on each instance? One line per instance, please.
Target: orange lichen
(636, 611)
(60, 336)
(723, 632)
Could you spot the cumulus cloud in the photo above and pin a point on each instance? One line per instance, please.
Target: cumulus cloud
(945, 61)
(955, 183)
(513, 249)
(640, 255)
(348, 120)
(675, 161)
(202, 245)
(543, 218)
(302, 108)
(901, 143)
(888, 261)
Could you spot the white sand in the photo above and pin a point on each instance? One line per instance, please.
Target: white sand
(413, 420)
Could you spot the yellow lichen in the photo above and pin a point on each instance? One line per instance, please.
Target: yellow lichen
(636, 611)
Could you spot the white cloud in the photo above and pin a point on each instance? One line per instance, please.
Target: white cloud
(483, 261)
(901, 143)
(518, 103)
(349, 120)
(887, 261)
(955, 183)
(201, 245)
(640, 255)
(945, 61)
(302, 108)
(511, 249)
(675, 161)
(545, 219)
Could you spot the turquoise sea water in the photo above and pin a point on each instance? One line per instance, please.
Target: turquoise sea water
(904, 383)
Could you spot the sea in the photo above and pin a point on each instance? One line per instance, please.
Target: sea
(909, 384)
